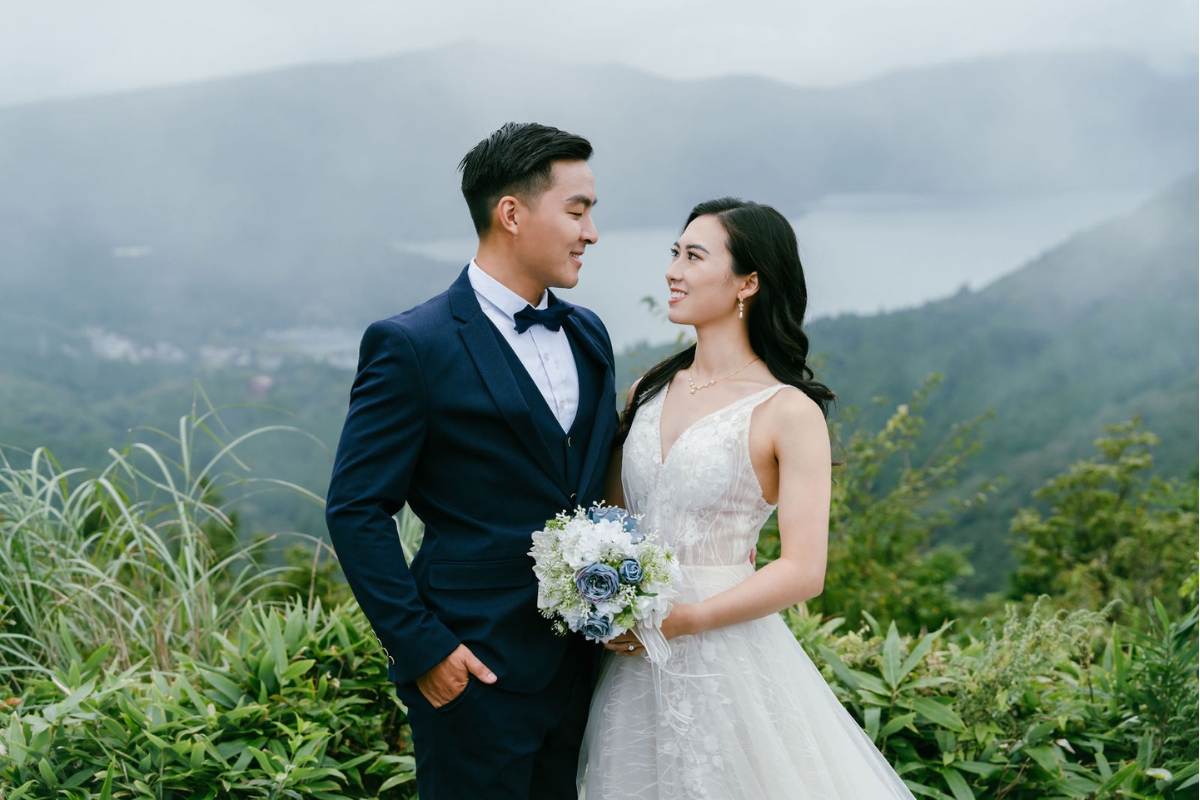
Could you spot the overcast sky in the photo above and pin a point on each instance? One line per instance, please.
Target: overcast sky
(69, 47)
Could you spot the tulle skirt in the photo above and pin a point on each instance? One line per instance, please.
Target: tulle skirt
(737, 712)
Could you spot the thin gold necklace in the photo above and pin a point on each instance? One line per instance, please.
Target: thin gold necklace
(694, 388)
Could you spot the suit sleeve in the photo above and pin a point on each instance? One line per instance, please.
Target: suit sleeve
(380, 444)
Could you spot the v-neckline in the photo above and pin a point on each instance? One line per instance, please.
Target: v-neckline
(662, 458)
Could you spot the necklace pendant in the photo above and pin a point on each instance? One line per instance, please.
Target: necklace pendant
(692, 384)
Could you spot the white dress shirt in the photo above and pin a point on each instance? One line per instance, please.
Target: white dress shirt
(545, 354)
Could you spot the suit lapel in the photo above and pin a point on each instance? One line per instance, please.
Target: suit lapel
(605, 421)
(480, 340)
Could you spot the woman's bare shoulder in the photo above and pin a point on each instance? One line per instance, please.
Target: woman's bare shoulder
(791, 410)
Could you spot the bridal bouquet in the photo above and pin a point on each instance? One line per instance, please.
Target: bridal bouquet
(600, 575)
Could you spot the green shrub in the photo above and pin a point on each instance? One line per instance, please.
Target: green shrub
(146, 653)
(1023, 711)
(296, 704)
(1112, 532)
(144, 555)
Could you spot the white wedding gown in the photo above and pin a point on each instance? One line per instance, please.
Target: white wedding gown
(735, 712)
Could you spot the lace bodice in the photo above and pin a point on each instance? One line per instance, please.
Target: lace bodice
(704, 499)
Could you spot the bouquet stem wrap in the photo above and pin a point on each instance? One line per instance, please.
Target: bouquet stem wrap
(651, 637)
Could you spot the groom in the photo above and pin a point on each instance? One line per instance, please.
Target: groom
(488, 410)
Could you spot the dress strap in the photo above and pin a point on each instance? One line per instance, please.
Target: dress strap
(760, 396)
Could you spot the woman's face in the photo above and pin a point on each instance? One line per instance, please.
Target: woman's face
(704, 288)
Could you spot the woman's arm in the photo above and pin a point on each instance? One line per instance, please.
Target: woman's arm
(796, 430)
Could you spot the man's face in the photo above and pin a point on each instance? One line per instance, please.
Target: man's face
(553, 232)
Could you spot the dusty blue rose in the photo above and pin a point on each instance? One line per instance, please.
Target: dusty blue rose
(630, 571)
(596, 626)
(597, 582)
(631, 525)
(616, 514)
(601, 513)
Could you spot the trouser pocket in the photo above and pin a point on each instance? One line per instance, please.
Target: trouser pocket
(459, 700)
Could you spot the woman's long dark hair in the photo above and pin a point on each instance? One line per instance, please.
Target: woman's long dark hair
(760, 240)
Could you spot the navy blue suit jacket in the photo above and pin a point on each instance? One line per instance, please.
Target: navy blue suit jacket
(438, 420)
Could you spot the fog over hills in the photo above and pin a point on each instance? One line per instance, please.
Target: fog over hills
(279, 198)
(1103, 327)
(371, 148)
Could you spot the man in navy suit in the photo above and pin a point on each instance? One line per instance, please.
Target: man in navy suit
(488, 410)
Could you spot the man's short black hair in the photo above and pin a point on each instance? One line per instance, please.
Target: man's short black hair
(516, 160)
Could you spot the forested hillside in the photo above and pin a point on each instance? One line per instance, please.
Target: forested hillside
(1093, 332)
(200, 214)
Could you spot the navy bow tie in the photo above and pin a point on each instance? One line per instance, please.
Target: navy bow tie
(550, 317)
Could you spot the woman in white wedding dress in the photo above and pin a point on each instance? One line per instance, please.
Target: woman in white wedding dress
(713, 439)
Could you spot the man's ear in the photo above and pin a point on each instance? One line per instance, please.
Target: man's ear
(507, 213)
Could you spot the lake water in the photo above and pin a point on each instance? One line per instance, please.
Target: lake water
(861, 253)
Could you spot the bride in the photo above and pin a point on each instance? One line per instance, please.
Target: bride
(715, 438)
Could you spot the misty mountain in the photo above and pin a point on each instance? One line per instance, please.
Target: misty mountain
(217, 210)
(313, 170)
(1096, 330)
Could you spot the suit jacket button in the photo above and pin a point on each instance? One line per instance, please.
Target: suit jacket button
(568, 441)
(573, 495)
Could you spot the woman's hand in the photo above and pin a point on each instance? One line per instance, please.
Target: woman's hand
(627, 644)
(681, 621)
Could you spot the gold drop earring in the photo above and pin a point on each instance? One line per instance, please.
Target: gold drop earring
(741, 308)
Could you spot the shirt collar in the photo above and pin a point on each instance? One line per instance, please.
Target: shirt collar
(496, 293)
